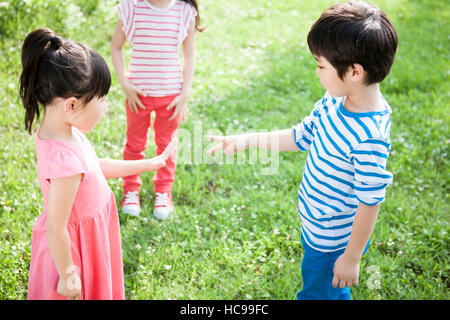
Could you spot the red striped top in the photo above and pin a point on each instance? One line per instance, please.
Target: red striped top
(155, 35)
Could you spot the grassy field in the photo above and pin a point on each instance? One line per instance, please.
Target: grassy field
(236, 234)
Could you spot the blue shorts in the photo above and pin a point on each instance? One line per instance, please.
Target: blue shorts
(317, 274)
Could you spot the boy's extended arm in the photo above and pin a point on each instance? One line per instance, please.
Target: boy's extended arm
(282, 140)
(294, 139)
(346, 268)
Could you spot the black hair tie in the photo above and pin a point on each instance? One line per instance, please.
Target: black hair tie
(53, 43)
(56, 42)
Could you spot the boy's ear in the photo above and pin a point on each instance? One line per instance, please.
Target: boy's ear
(357, 72)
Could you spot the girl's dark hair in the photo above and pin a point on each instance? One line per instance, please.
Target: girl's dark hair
(197, 18)
(53, 67)
(355, 32)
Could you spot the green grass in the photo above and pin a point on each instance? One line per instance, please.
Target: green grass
(236, 234)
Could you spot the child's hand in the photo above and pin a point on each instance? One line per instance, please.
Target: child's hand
(170, 149)
(132, 93)
(346, 272)
(70, 286)
(180, 104)
(230, 144)
(160, 161)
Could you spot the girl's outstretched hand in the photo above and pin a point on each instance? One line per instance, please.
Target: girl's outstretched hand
(170, 149)
(229, 144)
(160, 161)
(180, 105)
(132, 93)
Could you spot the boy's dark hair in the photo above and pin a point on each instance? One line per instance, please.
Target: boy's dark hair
(53, 67)
(355, 32)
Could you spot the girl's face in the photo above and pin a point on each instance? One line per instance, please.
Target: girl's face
(89, 115)
(330, 79)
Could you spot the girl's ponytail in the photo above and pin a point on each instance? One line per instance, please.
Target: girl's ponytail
(33, 48)
(53, 67)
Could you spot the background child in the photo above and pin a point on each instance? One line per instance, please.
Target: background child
(347, 132)
(155, 83)
(76, 250)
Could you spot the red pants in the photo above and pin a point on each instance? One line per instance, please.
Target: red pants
(136, 142)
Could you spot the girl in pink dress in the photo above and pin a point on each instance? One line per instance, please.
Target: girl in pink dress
(76, 250)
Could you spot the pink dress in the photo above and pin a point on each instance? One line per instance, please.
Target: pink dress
(93, 225)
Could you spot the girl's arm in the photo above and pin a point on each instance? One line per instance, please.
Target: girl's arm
(180, 102)
(122, 168)
(282, 140)
(61, 197)
(188, 60)
(346, 268)
(117, 42)
(132, 93)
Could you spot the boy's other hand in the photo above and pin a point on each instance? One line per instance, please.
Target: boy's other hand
(346, 272)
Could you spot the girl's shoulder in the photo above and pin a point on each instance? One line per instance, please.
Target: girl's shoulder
(187, 7)
(127, 6)
(130, 2)
(56, 145)
(59, 159)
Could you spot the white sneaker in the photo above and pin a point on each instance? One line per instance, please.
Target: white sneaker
(130, 203)
(163, 205)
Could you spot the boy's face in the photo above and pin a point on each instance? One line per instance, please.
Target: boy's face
(330, 79)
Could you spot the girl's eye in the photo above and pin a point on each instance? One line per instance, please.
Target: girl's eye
(320, 67)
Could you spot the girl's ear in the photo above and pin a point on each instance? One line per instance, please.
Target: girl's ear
(71, 105)
(357, 72)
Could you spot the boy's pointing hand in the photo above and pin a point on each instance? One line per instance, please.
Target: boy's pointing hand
(229, 144)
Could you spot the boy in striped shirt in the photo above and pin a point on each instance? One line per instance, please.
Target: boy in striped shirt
(347, 135)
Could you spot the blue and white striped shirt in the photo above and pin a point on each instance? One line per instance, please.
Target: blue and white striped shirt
(346, 165)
